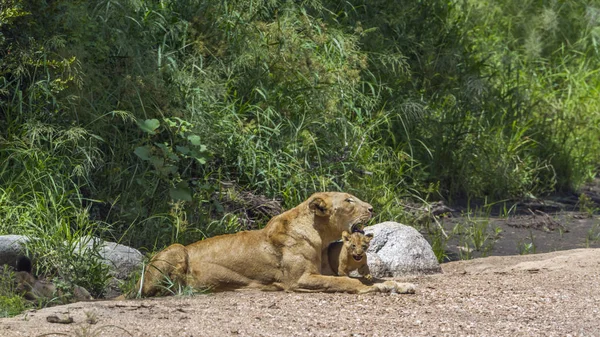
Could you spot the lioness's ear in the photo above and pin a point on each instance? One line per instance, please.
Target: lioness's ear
(320, 207)
(345, 236)
(368, 237)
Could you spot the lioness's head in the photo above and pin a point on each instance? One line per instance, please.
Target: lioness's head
(341, 212)
(356, 244)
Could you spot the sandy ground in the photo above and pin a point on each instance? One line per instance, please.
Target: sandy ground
(552, 294)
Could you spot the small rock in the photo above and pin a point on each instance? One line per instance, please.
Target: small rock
(56, 319)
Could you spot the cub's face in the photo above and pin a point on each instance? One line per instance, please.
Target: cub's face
(356, 244)
(345, 211)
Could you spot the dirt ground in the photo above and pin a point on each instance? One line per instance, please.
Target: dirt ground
(556, 222)
(551, 294)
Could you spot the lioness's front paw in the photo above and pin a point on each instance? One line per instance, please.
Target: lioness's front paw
(405, 288)
(396, 287)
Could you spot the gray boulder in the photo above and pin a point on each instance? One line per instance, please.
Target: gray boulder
(399, 250)
(122, 260)
(11, 246)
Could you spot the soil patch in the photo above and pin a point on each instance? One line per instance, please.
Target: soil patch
(553, 294)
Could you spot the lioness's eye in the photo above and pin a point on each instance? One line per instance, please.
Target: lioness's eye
(349, 200)
(364, 246)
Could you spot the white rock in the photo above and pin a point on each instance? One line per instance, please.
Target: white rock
(399, 250)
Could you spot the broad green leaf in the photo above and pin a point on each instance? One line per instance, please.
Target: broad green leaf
(167, 151)
(219, 207)
(143, 152)
(168, 169)
(181, 192)
(163, 147)
(200, 157)
(170, 122)
(149, 125)
(158, 163)
(194, 139)
(182, 149)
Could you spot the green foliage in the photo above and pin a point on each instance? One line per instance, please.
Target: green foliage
(587, 205)
(175, 154)
(11, 303)
(476, 235)
(439, 241)
(593, 235)
(479, 103)
(527, 246)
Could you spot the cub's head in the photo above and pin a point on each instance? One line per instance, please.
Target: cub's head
(356, 244)
(342, 211)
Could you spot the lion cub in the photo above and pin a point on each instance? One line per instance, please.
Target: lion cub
(34, 289)
(350, 254)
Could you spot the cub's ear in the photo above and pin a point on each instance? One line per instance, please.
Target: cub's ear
(24, 264)
(320, 207)
(368, 237)
(345, 236)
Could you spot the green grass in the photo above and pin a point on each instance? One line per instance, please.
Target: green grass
(439, 241)
(475, 236)
(593, 235)
(11, 303)
(168, 286)
(528, 245)
(587, 205)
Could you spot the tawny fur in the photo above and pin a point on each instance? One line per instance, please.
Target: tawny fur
(284, 255)
(350, 254)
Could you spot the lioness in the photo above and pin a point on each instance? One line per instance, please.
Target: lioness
(284, 255)
(350, 254)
